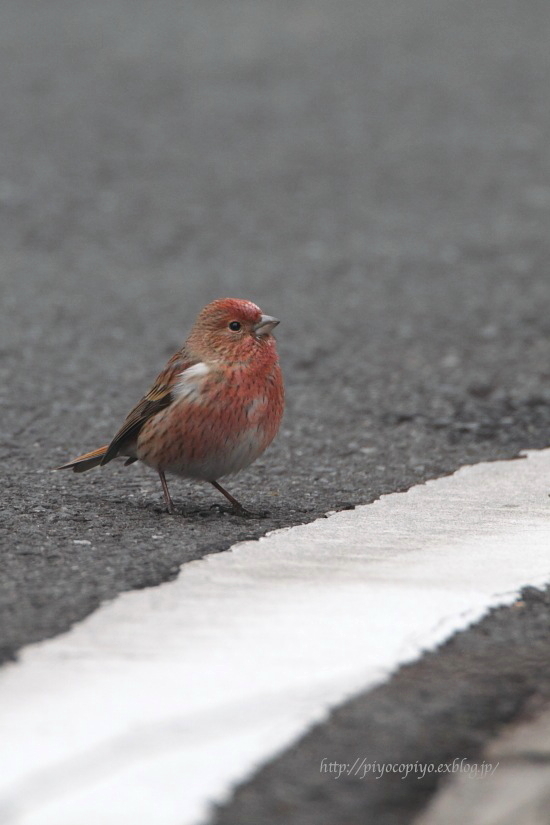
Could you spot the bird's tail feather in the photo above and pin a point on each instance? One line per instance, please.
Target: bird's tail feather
(86, 461)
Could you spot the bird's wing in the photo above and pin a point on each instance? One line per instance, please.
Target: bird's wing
(159, 396)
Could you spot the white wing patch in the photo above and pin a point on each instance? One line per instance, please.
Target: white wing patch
(189, 383)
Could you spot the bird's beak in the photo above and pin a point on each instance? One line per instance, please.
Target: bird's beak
(265, 325)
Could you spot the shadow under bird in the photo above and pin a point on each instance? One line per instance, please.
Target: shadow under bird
(213, 409)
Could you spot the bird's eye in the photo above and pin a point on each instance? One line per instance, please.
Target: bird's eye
(235, 326)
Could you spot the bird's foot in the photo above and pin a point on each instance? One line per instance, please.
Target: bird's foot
(244, 513)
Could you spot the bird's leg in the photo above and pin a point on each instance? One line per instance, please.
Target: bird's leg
(237, 506)
(167, 496)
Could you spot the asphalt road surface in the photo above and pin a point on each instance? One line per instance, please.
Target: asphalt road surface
(375, 173)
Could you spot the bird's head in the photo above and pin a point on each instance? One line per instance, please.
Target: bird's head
(231, 329)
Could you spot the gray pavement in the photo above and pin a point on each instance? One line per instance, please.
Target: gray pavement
(438, 711)
(376, 174)
(517, 791)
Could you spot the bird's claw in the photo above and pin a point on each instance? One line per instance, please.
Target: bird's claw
(244, 513)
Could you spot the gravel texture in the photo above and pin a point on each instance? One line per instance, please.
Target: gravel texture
(377, 175)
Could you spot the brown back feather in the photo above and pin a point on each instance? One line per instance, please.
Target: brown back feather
(158, 398)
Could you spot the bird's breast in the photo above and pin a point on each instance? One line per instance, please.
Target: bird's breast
(219, 431)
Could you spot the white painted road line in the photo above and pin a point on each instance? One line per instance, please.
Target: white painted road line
(154, 706)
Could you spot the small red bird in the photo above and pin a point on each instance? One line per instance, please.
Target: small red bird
(214, 408)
